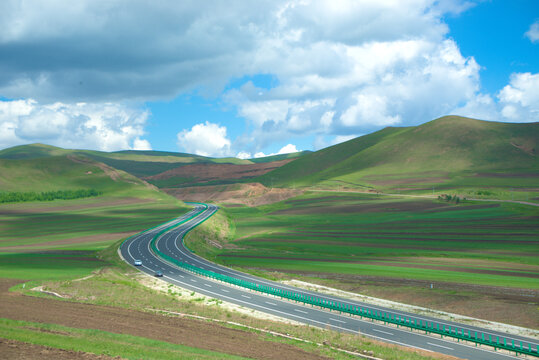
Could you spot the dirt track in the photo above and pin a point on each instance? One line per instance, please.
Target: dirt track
(117, 320)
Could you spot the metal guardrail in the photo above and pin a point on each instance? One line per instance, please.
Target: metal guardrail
(432, 327)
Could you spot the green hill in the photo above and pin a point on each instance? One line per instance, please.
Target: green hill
(447, 153)
(138, 163)
(36, 172)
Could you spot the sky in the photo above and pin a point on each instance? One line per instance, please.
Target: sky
(249, 79)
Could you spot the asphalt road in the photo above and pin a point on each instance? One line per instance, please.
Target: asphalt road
(170, 243)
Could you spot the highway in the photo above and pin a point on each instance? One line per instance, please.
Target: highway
(171, 243)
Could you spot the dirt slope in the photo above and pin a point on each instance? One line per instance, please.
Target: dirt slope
(251, 194)
(203, 173)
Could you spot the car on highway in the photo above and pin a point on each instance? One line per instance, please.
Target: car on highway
(138, 263)
(158, 273)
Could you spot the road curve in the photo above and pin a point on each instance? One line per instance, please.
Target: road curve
(171, 243)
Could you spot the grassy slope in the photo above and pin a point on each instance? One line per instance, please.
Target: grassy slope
(452, 147)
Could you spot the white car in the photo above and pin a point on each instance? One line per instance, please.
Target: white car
(138, 262)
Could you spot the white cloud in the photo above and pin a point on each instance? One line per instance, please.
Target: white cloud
(141, 144)
(206, 139)
(342, 138)
(243, 155)
(520, 98)
(481, 106)
(101, 126)
(533, 32)
(287, 149)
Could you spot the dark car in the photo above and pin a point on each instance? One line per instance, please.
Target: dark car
(158, 273)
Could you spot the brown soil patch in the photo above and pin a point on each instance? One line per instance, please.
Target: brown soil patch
(434, 180)
(77, 240)
(365, 208)
(201, 173)
(17, 350)
(27, 208)
(399, 234)
(508, 175)
(421, 237)
(124, 321)
(325, 199)
(250, 194)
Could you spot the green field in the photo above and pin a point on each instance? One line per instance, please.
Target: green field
(323, 234)
(59, 239)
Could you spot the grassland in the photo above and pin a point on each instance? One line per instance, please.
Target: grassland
(392, 242)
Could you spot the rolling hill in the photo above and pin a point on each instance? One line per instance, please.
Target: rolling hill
(449, 152)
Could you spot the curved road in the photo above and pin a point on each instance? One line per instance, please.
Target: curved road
(171, 244)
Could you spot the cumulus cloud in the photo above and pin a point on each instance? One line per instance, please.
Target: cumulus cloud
(243, 155)
(520, 98)
(342, 138)
(206, 139)
(101, 126)
(287, 149)
(533, 32)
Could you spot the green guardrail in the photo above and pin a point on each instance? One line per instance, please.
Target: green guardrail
(478, 338)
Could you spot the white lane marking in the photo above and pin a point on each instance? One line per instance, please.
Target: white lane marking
(208, 285)
(170, 272)
(445, 347)
(301, 311)
(182, 276)
(245, 296)
(225, 290)
(270, 303)
(344, 322)
(193, 280)
(383, 332)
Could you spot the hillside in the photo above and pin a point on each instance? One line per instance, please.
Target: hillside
(70, 172)
(449, 152)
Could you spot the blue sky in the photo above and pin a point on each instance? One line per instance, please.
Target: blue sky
(237, 79)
